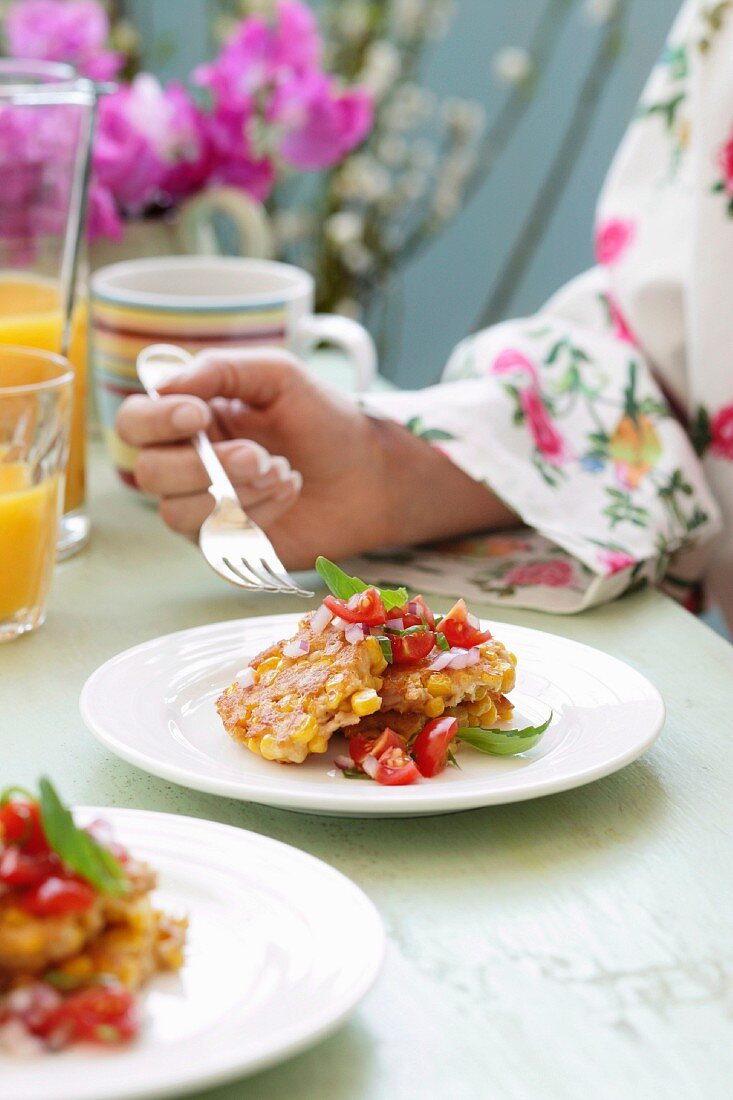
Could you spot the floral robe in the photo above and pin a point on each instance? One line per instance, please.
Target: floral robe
(605, 421)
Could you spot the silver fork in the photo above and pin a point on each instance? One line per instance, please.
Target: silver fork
(233, 545)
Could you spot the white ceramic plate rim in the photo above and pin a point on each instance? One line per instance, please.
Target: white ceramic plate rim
(315, 1026)
(382, 802)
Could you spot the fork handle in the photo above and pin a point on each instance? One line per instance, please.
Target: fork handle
(221, 487)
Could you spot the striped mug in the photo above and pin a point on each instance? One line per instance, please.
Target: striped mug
(205, 302)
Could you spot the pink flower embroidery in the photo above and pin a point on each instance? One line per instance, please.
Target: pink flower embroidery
(511, 361)
(551, 574)
(721, 431)
(547, 439)
(725, 163)
(613, 236)
(621, 330)
(614, 561)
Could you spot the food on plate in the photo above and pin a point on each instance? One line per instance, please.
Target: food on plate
(382, 667)
(79, 934)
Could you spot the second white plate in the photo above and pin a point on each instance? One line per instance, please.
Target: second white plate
(153, 705)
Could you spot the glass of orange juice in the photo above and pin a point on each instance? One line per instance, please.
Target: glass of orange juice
(36, 400)
(47, 113)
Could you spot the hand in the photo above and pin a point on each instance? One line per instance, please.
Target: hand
(353, 483)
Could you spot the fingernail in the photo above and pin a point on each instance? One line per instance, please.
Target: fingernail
(264, 462)
(279, 470)
(293, 485)
(240, 462)
(187, 418)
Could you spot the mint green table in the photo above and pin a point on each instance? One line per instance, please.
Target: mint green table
(579, 945)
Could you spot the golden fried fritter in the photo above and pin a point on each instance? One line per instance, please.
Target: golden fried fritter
(296, 703)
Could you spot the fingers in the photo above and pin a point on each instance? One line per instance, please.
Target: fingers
(257, 376)
(185, 514)
(176, 470)
(142, 422)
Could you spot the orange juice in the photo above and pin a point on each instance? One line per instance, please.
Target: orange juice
(30, 315)
(28, 520)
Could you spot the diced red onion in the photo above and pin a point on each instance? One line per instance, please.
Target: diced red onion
(353, 602)
(370, 765)
(441, 661)
(473, 621)
(340, 623)
(297, 648)
(356, 632)
(17, 1042)
(395, 624)
(321, 619)
(246, 678)
(455, 658)
(345, 763)
(414, 608)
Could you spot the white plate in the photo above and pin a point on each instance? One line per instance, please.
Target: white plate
(270, 965)
(154, 706)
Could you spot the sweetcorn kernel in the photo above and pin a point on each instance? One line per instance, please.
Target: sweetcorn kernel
(439, 684)
(319, 743)
(507, 680)
(271, 664)
(435, 707)
(307, 729)
(378, 660)
(365, 702)
(269, 747)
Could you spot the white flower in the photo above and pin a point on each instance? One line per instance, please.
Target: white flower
(446, 202)
(381, 67)
(290, 226)
(512, 65)
(440, 17)
(598, 12)
(412, 185)
(409, 105)
(392, 150)
(408, 17)
(357, 258)
(464, 117)
(363, 177)
(344, 227)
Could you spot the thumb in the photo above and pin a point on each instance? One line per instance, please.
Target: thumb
(256, 376)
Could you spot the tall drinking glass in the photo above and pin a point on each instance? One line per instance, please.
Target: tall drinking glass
(36, 398)
(46, 124)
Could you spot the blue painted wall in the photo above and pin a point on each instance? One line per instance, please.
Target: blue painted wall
(446, 288)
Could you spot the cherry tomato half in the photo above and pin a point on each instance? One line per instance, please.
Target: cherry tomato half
(459, 631)
(361, 746)
(19, 869)
(421, 613)
(394, 768)
(365, 607)
(101, 1014)
(408, 649)
(20, 823)
(431, 745)
(56, 896)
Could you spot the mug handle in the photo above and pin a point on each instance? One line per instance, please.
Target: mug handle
(346, 334)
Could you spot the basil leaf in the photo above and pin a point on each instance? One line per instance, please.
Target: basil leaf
(344, 587)
(441, 641)
(354, 773)
(78, 849)
(502, 742)
(386, 647)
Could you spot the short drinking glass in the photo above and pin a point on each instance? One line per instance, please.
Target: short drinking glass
(36, 398)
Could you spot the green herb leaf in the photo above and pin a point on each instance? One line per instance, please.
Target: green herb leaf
(386, 647)
(441, 641)
(344, 587)
(502, 742)
(78, 849)
(62, 981)
(452, 760)
(354, 773)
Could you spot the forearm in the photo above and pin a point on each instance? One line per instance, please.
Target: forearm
(427, 496)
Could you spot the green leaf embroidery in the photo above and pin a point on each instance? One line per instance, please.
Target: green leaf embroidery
(431, 435)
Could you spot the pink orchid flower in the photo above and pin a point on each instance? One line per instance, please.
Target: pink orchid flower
(75, 31)
(613, 237)
(320, 124)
